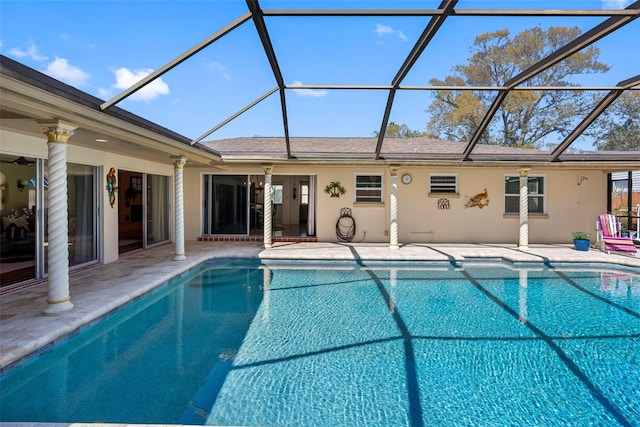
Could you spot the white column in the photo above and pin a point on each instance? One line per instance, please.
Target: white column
(523, 244)
(393, 220)
(268, 171)
(178, 169)
(59, 298)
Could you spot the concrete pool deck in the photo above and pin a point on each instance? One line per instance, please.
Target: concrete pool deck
(96, 291)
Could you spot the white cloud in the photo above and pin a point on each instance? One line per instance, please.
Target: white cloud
(385, 30)
(615, 4)
(104, 93)
(221, 69)
(31, 52)
(126, 78)
(62, 70)
(317, 93)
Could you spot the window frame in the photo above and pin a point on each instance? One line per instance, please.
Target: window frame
(543, 195)
(369, 200)
(443, 193)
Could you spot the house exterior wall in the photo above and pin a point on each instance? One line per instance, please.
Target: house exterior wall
(30, 146)
(569, 206)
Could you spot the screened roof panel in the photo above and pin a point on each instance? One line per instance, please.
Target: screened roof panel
(343, 51)
(409, 108)
(263, 119)
(456, 115)
(618, 54)
(314, 113)
(212, 64)
(454, 45)
(623, 112)
(229, 74)
(553, 118)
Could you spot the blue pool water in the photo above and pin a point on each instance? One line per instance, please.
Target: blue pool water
(237, 342)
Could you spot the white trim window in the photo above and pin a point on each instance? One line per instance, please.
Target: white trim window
(369, 188)
(443, 183)
(537, 194)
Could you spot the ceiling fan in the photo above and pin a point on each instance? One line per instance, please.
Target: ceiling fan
(20, 161)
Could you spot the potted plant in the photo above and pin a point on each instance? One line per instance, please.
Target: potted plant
(581, 240)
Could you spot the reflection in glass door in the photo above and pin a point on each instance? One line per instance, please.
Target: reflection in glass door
(18, 197)
(81, 184)
(226, 204)
(143, 216)
(25, 243)
(130, 203)
(158, 197)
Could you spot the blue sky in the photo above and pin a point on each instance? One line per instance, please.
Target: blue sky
(103, 47)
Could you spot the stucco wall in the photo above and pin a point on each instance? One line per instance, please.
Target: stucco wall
(570, 207)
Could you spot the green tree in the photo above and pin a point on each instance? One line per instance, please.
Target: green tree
(395, 130)
(618, 129)
(525, 118)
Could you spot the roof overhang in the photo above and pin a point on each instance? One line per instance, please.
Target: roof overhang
(28, 96)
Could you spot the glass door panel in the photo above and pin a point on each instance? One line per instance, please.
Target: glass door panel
(158, 197)
(229, 204)
(18, 246)
(81, 184)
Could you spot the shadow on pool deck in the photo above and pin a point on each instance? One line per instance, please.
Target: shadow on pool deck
(101, 289)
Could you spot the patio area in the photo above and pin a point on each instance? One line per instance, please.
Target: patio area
(97, 291)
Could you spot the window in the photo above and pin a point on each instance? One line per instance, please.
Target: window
(368, 188)
(304, 194)
(443, 184)
(276, 193)
(624, 192)
(537, 194)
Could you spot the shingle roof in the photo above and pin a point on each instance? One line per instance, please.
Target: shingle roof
(360, 148)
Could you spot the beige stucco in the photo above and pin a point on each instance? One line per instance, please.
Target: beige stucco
(570, 207)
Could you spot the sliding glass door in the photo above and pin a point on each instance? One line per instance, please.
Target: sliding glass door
(225, 204)
(144, 206)
(81, 184)
(158, 197)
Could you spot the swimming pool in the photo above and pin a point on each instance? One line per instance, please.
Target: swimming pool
(240, 342)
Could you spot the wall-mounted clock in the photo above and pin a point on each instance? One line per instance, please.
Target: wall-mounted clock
(406, 178)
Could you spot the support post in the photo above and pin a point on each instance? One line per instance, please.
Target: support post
(393, 217)
(178, 169)
(59, 297)
(523, 243)
(268, 172)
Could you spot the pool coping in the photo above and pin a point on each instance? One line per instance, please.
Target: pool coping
(25, 332)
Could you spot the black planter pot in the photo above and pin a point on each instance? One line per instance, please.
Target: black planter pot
(20, 234)
(11, 231)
